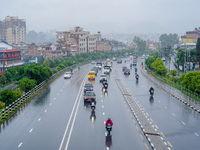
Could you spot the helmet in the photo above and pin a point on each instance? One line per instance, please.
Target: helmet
(109, 118)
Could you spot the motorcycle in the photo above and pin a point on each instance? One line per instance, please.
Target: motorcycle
(108, 129)
(105, 87)
(93, 105)
(137, 77)
(151, 92)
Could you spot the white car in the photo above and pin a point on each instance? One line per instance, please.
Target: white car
(93, 62)
(103, 77)
(106, 70)
(67, 75)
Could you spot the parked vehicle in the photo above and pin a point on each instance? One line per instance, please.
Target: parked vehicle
(89, 95)
(67, 75)
(91, 75)
(88, 87)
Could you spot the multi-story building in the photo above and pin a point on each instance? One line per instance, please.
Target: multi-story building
(13, 30)
(4, 45)
(91, 43)
(190, 39)
(103, 46)
(9, 58)
(153, 45)
(86, 42)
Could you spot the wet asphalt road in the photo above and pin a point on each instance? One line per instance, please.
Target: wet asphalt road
(42, 124)
(176, 122)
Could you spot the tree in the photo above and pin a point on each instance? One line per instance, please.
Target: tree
(8, 96)
(140, 43)
(2, 105)
(159, 67)
(3, 79)
(173, 73)
(8, 76)
(12, 71)
(198, 49)
(18, 93)
(149, 61)
(168, 40)
(26, 84)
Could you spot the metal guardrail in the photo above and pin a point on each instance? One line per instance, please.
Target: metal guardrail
(177, 91)
(5, 113)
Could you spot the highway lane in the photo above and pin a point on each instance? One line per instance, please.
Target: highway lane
(41, 124)
(177, 123)
(91, 135)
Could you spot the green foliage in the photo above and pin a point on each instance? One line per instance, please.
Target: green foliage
(186, 79)
(46, 63)
(3, 79)
(159, 67)
(8, 96)
(7, 75)
(140, 43)
(12, 71)
(198, 49)
(2, 105)
(169, 40)
(18, 93)
(149, 61)
(173, 73)
(26, 84)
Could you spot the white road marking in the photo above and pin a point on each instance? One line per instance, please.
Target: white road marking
(196, 134)
(165, 107)
(105, 133)
(39, 119)
(45, 111)
(145, 89)
(72, 112)
(158, 101)
(103, 113)
(101, 95)
(101, 100)
(102, 106)
(54, 98)
(30, 130)
(20, 144)
(107, 148)
(58, 94)
(183, 123)
(173, 114)
(50, 103)
(104, 122)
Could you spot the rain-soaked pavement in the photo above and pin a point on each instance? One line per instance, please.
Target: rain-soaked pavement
(58, 118)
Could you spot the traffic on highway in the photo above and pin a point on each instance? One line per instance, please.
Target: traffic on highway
(103, 105)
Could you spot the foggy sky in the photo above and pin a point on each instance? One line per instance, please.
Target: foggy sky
(155, 16)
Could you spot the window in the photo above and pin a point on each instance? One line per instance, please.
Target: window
(1, 54)
(7, 54)
(19, 53)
